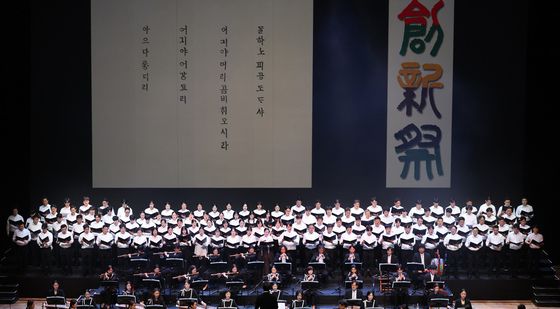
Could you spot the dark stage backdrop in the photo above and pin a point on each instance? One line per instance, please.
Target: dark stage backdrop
(490, 130)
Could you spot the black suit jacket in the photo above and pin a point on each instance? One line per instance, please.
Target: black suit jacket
(394, 259)
(467, 304)
(427, 259)
(427, 278)
(60, 292)
(359, 294)
(266, 300)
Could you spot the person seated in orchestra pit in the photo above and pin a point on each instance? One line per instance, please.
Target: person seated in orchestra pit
(56, 290)
(400, 293)
(321, 257)
(156, 299)
(215, 256)
(86, 300)
(73, 304)
(227, 301)
(353, 274)
(309, 294)
(129, 289)
(431, 275)
(463, 301)
(275, 291)
(233, 275)
(109, 293)
(109, 274)
(438, 292)
(352, 256)
(299, 302)
(354, 292)
(273, 276)
(188, 292)
(389, 257)
(369, 302)
(283, 256)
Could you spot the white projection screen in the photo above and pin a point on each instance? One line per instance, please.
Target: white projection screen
(201, 93)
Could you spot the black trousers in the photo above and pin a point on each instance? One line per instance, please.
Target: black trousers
(66, 259)
(533, 256)
(21, 256)
(87, 261)
(452, 262)
(45, 259)
(474, 266)
(495, 260)
(514, 258)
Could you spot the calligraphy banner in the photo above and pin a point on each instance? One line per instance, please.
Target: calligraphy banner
(419, 93)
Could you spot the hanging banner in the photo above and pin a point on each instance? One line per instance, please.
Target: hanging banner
(419, 93)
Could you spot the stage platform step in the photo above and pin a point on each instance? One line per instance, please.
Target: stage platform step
(546, 293)
(547, 303)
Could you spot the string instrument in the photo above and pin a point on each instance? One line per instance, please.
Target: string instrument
(439, 264)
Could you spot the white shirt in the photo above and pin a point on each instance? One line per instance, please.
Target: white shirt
(45, 240)
(527, 209)
(536, 237)
(495, 241)
(515, 240)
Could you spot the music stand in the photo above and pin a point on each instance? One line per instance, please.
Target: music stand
(218, 267)
(85, 306)
(125, 299)
(139, 263)
(414, 267)
(109, 284)
(401, 285)
(151, 283)
(175, 263)
(153, 306)
(227, 308)
(348, 284)
(387, 268)
(255, 265)
(309, 285)
(198, 285)
(283, 267)
(430, 284)
(234, 285)
(439, 302)
(354, 302)
(185, 302)
(56, 301)
(348, 265)
(317, 265)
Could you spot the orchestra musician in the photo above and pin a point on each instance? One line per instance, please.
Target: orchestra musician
(156, 299)
(227, 301)
(188, 292)
(400, 294)
(86, 300)
(353, 274)
(299, 302)
(321, 257)
(309, 294)
(273, 276)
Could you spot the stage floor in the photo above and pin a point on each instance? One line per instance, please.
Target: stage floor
(480, 304)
